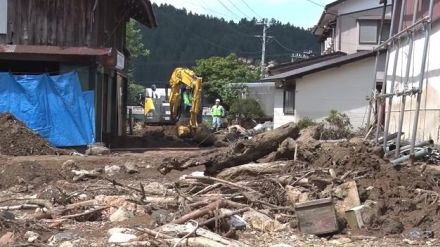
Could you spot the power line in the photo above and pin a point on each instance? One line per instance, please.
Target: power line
(315, 3)
(238, 9)
(204, 6)
(228, 9)
(209, 10)
(283, 46)
(251, 9)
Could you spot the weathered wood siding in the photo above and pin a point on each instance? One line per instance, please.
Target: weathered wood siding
(67, 23)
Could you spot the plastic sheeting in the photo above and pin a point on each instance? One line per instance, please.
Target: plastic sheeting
(53, 106)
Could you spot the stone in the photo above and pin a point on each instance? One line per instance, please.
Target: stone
(7, 239)
(7, 215)
(131, 167)
(262, 222)
(70, 165)
(66, 244)
(83, 197)
(116, 230)
(122, 214)
(121, 238)
(112, 170)
(61, 237)
(392, 226)
(281, 245)
(31, 236)
(97, 150)
(294, 195)
(340, 241)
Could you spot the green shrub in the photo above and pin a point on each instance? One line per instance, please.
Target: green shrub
(305, 123)
(335, 126)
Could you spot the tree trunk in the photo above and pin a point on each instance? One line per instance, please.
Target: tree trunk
(243, 152)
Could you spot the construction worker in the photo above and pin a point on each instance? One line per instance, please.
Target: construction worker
(217, 112)
(187, 101)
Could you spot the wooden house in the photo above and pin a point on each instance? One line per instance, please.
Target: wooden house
(57, 36)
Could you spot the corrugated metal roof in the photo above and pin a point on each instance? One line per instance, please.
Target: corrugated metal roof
(320, 66)
(281, 68)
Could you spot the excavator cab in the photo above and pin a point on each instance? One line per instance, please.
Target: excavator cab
(163, 110)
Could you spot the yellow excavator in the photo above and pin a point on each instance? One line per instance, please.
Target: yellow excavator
(168, 110)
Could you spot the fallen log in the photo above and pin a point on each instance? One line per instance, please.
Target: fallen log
(252, 169)
(243, 152)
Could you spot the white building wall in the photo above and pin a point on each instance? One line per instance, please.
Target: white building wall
(429, 118)
(348, 30)
(343, 89)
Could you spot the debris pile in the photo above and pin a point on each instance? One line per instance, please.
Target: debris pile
(18, 140)
(257, 190)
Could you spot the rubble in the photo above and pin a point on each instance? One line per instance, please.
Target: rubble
(253, 201)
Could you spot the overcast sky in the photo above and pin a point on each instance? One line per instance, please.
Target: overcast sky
(303, 13)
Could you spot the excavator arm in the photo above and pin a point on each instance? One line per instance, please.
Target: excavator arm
(188, 78)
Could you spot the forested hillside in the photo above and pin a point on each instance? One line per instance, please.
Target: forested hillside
(182, 37)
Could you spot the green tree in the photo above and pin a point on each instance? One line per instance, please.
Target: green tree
(134, 46)
(220, 73)
(133, 93)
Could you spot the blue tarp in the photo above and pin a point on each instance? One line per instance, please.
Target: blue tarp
(53, 106)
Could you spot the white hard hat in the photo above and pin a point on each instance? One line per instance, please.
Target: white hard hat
(217, 100)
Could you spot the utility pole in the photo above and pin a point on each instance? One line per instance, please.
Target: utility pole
(266, 25)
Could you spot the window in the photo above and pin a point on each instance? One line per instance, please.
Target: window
(3, 16)
(369, 31)
(289, 100)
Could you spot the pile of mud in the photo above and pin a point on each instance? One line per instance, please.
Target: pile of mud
(18, 140)
(397, 200)
(400, 199)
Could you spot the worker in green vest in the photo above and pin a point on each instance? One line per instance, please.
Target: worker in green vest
(187, 101)
(217, 112)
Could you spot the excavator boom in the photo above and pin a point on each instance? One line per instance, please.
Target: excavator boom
(186, 77)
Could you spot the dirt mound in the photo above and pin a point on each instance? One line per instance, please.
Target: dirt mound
(401, 199)
(18, 140)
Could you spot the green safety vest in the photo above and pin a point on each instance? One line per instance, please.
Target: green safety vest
(187, 98)
(217, 111)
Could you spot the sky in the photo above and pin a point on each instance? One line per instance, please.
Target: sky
(302, 13)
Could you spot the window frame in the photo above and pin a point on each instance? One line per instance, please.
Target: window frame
(289, 109)
(378, 24)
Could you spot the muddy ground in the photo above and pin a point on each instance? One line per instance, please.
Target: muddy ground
(37, 188)
(27, 176)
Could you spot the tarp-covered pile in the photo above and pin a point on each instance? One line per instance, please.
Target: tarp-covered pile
(53, 106)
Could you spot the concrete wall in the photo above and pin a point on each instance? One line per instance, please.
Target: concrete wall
(429, 118)
(263, 94)
(343, 89)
